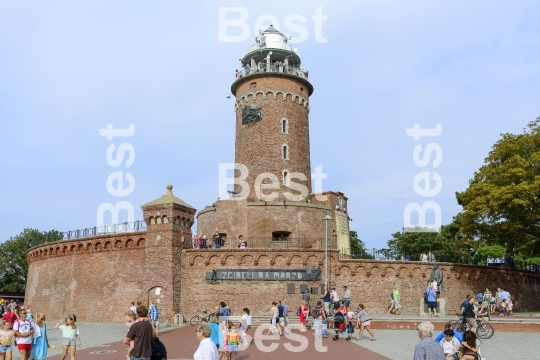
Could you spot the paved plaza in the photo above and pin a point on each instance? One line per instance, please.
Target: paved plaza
(102, 342)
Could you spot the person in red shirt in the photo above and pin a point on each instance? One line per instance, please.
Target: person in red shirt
(10, 316)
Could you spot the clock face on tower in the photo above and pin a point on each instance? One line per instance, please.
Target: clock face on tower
(250, 114)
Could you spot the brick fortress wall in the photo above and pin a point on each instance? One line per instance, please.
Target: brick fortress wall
(370, 282)
(95, 278)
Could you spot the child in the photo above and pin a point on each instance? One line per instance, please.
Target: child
(41, 343)
(6, 339)
(130, 319)
(70, 333)
(502, 307)
(510, 305)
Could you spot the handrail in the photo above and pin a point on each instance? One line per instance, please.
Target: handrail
(265, 243)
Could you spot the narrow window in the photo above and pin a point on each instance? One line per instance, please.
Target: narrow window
(253, 85)
(285, 154)
(285, 178)
(284, 126)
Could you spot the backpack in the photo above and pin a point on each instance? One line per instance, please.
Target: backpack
(391, 297)
(426, 296)
(298, 311)
(316, 312)
(158, 350)
(339, 318)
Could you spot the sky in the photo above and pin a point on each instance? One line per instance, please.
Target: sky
(67, 69)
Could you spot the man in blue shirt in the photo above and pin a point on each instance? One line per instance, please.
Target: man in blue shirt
(432, 301)
(153, 311)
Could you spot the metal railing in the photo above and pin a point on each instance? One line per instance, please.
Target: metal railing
(126, 227)
(284, 69)
(265, 243)
(455, 258)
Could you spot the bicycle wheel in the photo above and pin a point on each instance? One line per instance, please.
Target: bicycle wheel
(457, 325)
(195, 320)
(484, 330)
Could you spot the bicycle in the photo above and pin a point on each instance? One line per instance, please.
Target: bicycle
(484, 330)
(198, 317)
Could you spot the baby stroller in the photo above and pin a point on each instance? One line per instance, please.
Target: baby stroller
(343, 324)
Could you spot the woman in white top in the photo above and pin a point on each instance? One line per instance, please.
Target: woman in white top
(246, 320)
(207, 350)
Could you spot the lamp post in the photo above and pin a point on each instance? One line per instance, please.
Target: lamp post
(327, 217)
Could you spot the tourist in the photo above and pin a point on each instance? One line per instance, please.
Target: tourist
(335, 298)
(41, 342)
(326, 299)
(195, 241)
(225, 310)
(427, 349)
(365, 323)
(133, 308)
(423, 257)
(432, 301)
(24, 331)
(480, 297)
(246, 320)
(447, 326)
(318, 318)
(406, 257)
(280, 319)
(217, 240)
(491, 302)
(391, 299)
(285, 314)
(486, 299)
(130, 318)
(242, 244)
(153, 311)
(347, 297)
(28, 312)
(232, 340)
(510, 305)
(304, 311)
(504, 295)
(214, 317)
(470, 347)
(502, 308)
(236, 74)
(306, 297)
(6, 339)
(202, 242)
(430, 257)
(450, 345)
(9, 316)
(397, 304)
(464, 303)
(141, 334)
(70, 334)
(470, 314)
(274, 313)
(207, 350)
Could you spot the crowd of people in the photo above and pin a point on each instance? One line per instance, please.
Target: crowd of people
(202, 242)
(28, 333)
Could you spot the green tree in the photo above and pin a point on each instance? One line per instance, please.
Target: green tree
(14, 267)
(446, 245)
(358, 247)
(501, 206)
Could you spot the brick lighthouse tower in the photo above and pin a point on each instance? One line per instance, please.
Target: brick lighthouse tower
(272, 126)
(272, 204)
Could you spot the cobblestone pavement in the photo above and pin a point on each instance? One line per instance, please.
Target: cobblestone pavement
(399, 345)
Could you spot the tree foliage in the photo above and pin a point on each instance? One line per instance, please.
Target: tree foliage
(358, 247)
(13, 264)
(446, 245)
(501, 206)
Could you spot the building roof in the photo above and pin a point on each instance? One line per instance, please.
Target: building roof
(272, 29)
(168, 198)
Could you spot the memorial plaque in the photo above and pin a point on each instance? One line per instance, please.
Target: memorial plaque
(314, 290)
(303, 287)
(290, 288)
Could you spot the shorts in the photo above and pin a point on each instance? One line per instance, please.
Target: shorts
(471, 322)
(366, 323)
(432, 304)
(155, 323)
(396, 304)
(273, 322)
(346, 302)
(68, 342)
(282, 321)
(24, 347)
(5, 348)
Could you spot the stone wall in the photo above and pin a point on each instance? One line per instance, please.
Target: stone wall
(261, 219)
(370, 282)
(95, 278)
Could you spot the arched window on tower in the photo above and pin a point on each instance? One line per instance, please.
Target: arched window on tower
(286, 178)
(284, 126)
(285, 152)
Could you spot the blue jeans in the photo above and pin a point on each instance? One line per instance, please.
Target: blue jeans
(318, 327)
(346, 302)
